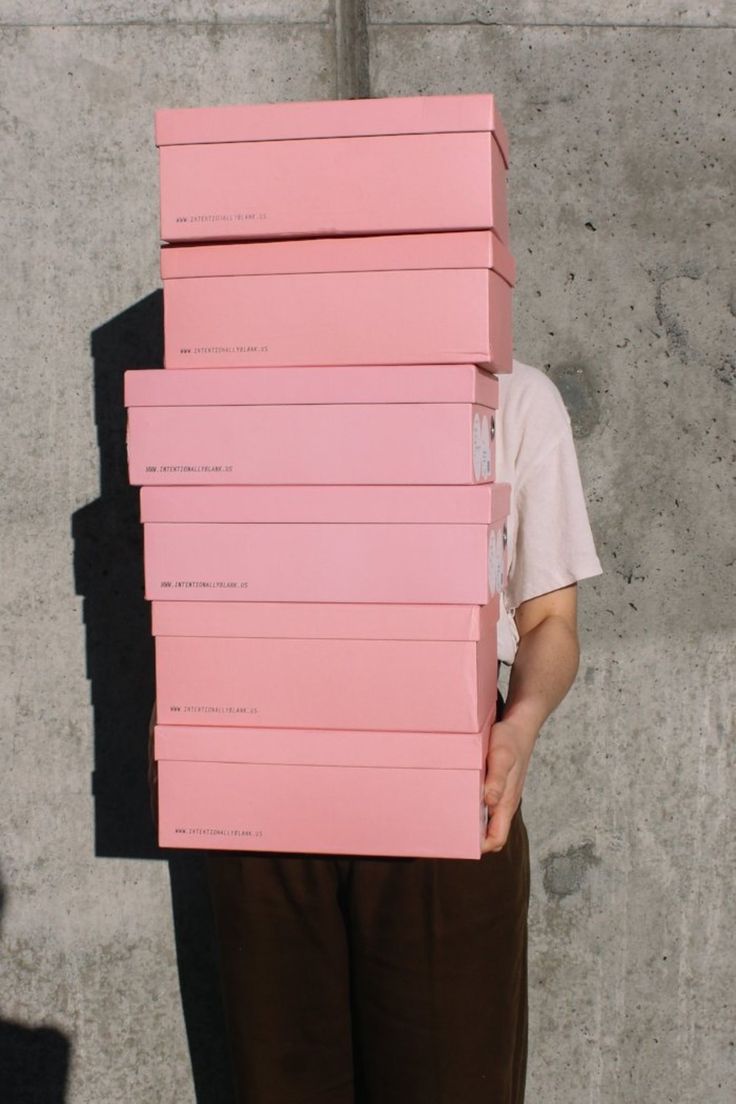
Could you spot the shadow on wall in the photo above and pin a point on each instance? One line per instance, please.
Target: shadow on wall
(34, 1061)
(108, 570)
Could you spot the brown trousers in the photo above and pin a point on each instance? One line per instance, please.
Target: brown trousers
(352, 980)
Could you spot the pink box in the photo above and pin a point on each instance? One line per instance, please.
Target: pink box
(322, 790)
(322, 620)
(373, 166)
(396, 299)
(218, 663)
(348, 427)
(329, 544)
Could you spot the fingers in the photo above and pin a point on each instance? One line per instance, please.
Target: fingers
(510, 747)
(499, 795)
(498, 828)
(499, 765)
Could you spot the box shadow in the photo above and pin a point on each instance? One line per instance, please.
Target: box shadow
(108, 572)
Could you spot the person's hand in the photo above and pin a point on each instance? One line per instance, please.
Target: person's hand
(510, 749)
(152, 768)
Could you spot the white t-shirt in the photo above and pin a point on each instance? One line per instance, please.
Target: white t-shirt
(550, 543)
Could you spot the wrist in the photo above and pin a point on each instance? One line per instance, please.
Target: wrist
(525, 714)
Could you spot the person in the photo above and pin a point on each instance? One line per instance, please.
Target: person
(368, 980)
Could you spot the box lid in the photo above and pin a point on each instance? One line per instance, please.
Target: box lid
(483, 504)
(323, 620)
(393, 383)
(366, 253)
(331, 119)
(323, 747)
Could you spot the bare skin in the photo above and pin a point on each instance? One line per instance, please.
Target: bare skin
(543, 671)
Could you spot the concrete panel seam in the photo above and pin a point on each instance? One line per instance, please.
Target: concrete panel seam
(173, 24)
(527, 26)
(351, 49)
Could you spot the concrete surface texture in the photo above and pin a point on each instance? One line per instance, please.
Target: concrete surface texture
(621, 120)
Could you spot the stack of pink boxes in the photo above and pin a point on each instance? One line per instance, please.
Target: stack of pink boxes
(324, 539)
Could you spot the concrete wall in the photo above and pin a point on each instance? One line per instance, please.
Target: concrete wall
(620, 122)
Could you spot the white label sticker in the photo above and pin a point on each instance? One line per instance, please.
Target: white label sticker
(485, 465)
(500, 561)
(495, 561)
(477, 446)
(492, 571)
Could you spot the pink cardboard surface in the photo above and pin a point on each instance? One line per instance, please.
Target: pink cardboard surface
(392, 165)
(374, 253)
(372, 383)
(481, 504)
(330, 119)
(322, 791)
(355, 443)
(376, 684)
(316, 620)
(396, 299)
(311, 680)
(326, 562)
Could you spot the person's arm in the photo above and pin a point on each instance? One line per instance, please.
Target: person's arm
(543, 671)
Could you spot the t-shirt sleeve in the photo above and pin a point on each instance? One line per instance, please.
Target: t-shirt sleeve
(554, 544)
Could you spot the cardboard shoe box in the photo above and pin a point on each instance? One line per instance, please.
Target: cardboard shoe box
(328, 544)
(280, 664)
(371, 166)
(380, 424)
(396, 299)
(322, 790)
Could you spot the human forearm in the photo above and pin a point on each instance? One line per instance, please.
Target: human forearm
(543, 671)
